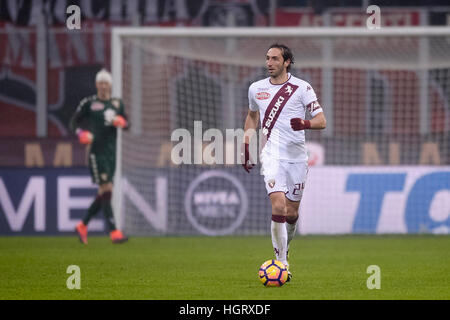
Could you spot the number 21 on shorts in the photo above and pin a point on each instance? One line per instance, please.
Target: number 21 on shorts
(298, 188)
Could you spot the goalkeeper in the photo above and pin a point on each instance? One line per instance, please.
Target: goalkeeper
(95, 122)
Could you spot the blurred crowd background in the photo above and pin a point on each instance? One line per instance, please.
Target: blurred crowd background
(46, 69)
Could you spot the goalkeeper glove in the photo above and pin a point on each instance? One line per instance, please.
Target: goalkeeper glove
(119, 122)
(300, 124)
(84, 136)
(246, 155)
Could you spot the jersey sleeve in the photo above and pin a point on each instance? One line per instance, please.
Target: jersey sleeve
(252, 105)
(80, 117)
(309, 100)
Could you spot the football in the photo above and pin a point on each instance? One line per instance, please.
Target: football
(273, 273)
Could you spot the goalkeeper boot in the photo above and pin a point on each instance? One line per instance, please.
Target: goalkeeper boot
(117, 236)
(82, 232)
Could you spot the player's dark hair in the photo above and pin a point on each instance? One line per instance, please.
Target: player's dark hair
(286, 53)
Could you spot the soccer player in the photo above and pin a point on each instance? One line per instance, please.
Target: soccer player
(95, 122)
(280, 103)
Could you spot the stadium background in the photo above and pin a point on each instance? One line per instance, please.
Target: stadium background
(44, 184)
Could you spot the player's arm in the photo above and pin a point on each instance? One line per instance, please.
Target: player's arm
(77, 120)
(318, 121)
(251, 123)
(121, 120)
(78, 123)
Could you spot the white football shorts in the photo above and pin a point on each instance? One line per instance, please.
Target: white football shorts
(284, 176)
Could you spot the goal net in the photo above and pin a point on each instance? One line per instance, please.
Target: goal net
(385, 94)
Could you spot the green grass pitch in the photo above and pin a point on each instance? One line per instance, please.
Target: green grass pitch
(210, 268)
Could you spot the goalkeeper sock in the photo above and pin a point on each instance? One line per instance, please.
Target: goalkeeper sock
(279, 237)
(93, 209)
(107, 210)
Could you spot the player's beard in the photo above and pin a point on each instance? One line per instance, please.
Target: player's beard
(276, 73)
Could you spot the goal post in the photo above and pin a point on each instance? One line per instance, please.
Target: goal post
(385, 94)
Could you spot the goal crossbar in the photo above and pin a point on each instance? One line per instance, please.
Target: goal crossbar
(118, 33)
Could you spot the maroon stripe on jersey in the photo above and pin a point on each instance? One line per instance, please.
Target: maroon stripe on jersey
(276, 106)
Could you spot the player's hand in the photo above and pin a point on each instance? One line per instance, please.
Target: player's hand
(246, 158)
(119, 122)
(300, 124)
(85, 137)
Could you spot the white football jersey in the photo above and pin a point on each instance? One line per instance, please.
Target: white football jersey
(277, 105)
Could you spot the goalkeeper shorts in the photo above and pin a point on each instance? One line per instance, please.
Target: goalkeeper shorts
(101, 168)
(284, 176)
